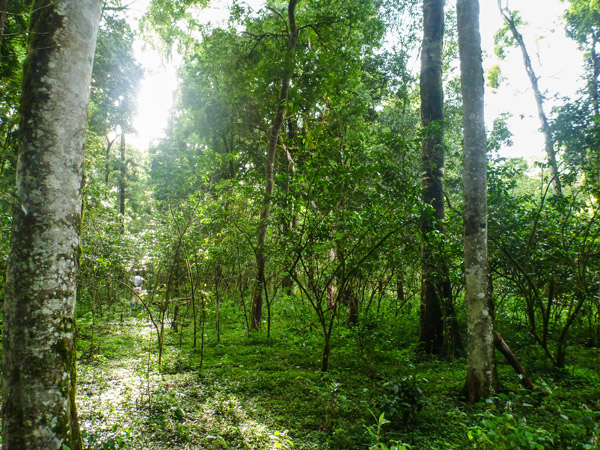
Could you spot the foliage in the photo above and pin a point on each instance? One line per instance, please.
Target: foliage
(582, 21)
(115, 77)
(375, 433)
(402, 399)
(343, 247)
(508, 432)
(506, 425)
(116, 439)
(12, 55)
(577, 131)
(253, 390)
(504, 38)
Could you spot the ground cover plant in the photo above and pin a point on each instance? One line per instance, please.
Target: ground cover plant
(266, 393)
(328, 246)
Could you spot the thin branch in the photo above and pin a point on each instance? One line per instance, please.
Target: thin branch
(314, 28)
(278, 14)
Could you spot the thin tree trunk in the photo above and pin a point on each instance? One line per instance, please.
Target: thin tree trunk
(352, 301)
(161, 333)
(3, 12)
(193, 295)
(218, 304)
(433, 274)
(400, 292)
(595, 91)
(327, 329)
(326, 354)
(202, 329)
(539, 99)
(481, 370)
(592, 172)
(39, 372)
(332, 288)
(287, 285)
(175, 319)
(109, 144)
(561, 347)
(257, 294)
(122, 183)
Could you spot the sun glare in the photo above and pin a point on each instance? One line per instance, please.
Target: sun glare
(555, 57)
(155, 98)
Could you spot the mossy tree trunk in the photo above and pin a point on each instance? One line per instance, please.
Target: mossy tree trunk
(39, 324)
(481, 370)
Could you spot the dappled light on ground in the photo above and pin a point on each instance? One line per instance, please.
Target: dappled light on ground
(257, 393)
(123, 398)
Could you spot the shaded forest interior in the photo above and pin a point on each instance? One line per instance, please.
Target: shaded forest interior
(328, 249)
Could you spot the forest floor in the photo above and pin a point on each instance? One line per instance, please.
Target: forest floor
(260, 393)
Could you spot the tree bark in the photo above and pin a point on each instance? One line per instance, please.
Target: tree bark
(352, 300)
(513, 361)
(109, 144)
(122, 183)
(434, 276)
(39, 324)
(288, 68)
(481, 370)
(539, 99)
(3, 13)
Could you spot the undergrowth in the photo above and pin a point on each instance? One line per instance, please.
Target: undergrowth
(260, 393)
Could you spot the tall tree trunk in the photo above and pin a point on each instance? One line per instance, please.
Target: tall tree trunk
(287, 283)
(434, 276)
(481, 371)
(3, 12)
(539, 99)
(39, 325)
(288, 68)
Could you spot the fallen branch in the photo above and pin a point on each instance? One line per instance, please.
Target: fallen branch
(513, 361)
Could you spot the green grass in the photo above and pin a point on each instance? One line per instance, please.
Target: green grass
(259, 393)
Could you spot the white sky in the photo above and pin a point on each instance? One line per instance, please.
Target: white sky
(555, 57)
(159, 86)
(557, 62)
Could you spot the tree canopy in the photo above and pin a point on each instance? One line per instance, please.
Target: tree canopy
(328, 245)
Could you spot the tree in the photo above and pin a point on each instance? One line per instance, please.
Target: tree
(13, 48)
(583, 26)
(288, 68)
(435, 286)
(481, 370)
(123, 171)
(3, 5)
(115, 81)
(225, 111)
(512, 21)
(577, 124)
(39, 355)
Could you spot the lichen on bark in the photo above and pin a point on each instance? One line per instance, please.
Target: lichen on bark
(39, 358)
(481, 370)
